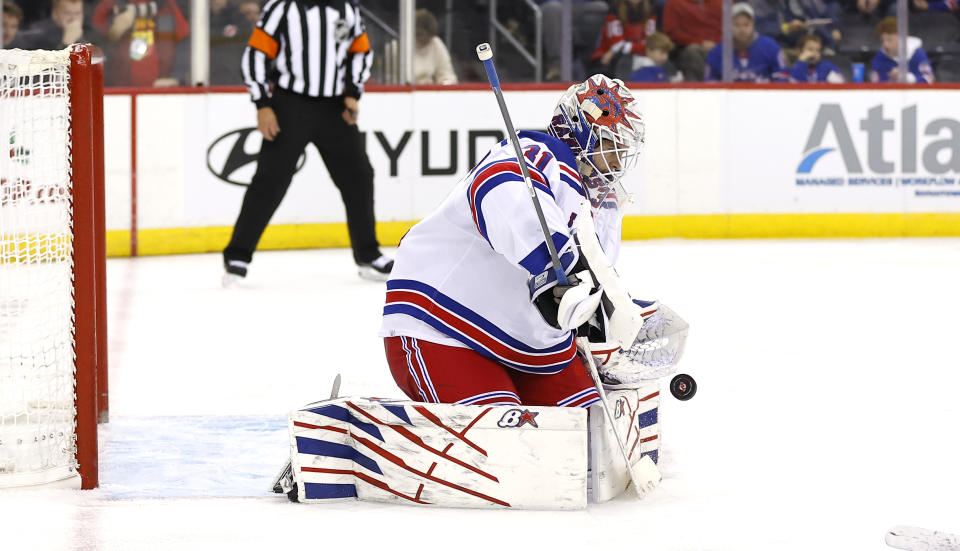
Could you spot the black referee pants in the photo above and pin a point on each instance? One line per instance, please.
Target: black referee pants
(319, 121)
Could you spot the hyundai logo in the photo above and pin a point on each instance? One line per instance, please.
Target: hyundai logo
(233, 156)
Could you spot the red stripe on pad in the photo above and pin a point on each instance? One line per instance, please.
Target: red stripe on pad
(436, 421)
(323, 427)
(474, 422)
(403, 465)
(403, 431)
(369, 480)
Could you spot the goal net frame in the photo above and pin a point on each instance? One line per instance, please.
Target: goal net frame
(88, 240)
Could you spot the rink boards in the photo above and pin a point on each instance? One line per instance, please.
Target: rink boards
(739, 162)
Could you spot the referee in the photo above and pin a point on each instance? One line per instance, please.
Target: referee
(305, 66)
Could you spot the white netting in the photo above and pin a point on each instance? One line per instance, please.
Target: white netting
(37, 413)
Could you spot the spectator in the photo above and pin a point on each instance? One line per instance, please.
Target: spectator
(33, 11)
(62, 28)
(142, 36)
(12, 17)
(250, 9)
(755, 58)
(936, 5)
(694, 25)
(788, 21)
(772, 18)
(431, 60)
(656, 66)
(809, 67)
(582, 12)
(229, 31)
(623, 36)
(875, 7)
(884, 67)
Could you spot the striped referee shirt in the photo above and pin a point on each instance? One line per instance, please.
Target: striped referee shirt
(317, 48)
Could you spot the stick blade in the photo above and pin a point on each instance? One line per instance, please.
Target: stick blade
(913, 538)
(646, 476)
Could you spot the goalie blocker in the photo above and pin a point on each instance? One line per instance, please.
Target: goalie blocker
(523, 457)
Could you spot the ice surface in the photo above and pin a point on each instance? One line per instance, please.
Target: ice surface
(826, 411)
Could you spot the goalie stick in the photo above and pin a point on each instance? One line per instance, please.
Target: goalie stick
(485, 54)
(283, 482)
(912, 538)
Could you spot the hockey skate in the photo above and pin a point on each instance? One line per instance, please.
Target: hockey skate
(234, 272)
(378, 270)
(283, 483)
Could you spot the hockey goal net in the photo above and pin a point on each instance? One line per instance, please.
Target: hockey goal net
(52, 306)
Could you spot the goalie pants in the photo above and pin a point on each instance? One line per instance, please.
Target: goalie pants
(302, 121)
(430, 372)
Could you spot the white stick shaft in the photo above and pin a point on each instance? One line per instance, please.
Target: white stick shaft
(584, 345)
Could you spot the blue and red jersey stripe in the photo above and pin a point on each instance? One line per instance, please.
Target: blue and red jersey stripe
(423, 302)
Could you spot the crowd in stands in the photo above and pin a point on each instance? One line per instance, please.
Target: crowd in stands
(145, 41)
(773, 41)
(141, 39)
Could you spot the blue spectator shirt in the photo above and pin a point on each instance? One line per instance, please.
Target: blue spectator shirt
(919, 65)
(651, 73)
(943, 5)
(762, 61)
(821, 72)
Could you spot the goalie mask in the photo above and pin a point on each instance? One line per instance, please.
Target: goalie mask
(598, 119)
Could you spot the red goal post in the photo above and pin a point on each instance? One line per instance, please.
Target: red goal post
(53, 356)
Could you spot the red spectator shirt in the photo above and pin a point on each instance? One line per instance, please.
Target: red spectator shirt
(693, 21)
(160, 33)
(615, 32)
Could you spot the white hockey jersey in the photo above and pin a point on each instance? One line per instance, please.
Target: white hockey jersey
(460, 276)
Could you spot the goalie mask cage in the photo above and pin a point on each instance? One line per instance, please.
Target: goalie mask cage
(52, 262)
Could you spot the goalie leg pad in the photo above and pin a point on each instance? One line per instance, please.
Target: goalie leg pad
(636, 414)
(473, 456)
(451, 455)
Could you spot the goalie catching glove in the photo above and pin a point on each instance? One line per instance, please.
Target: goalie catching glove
(654, 352)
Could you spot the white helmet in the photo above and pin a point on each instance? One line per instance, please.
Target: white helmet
(593, 118)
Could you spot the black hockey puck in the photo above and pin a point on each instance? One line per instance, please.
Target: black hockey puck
(683, 387)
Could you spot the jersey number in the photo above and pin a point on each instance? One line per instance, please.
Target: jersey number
(538, 157)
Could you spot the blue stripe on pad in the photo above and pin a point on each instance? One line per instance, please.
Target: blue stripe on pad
(329, 491)
(647, 418)
(341, 413)
(399, 411)
(332, 449)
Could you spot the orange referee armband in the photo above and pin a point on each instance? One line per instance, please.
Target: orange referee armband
(360, 45)
(263, 42)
